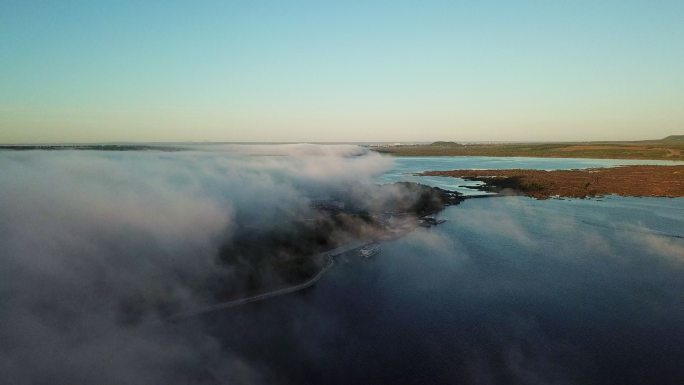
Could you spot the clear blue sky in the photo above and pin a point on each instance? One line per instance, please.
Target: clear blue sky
(89, 71)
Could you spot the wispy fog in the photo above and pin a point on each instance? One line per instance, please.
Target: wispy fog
(96, 247)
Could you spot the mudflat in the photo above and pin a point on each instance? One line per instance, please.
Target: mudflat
(637, 181)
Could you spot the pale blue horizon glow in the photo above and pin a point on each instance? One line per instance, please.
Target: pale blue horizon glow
(340, 71)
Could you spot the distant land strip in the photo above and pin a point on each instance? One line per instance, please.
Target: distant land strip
(636, 181)
(669, 148)
(90, 147)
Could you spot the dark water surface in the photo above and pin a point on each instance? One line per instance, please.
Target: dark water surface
(508, 291)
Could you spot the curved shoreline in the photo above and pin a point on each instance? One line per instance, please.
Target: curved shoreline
(635, 181)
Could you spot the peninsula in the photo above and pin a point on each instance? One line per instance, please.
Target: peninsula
(638, 181)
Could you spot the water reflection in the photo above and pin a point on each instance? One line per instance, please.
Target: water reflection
(509, 290)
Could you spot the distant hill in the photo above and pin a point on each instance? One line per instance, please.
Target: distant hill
(670, 148)
(446, 144)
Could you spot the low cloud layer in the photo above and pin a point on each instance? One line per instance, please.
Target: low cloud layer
(96, 244)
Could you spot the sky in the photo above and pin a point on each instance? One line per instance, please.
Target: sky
(318, 71)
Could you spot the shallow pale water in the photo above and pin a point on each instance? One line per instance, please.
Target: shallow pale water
(405, 167)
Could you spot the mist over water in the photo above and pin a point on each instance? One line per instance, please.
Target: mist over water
(97, 247)
(509, 291)
(94, 246)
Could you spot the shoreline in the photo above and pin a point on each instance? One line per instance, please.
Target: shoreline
(633, 181)
(675, 161)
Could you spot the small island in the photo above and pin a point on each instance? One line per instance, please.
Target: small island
(636, 181)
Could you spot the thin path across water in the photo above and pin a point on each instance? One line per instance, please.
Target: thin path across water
(275, 293)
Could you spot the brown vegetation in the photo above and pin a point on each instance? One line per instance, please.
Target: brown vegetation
(659, 181)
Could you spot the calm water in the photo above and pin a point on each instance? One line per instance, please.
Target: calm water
(508, 291)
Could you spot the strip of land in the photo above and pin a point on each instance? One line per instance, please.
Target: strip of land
(669, 148)
(90, 147)
(331, 255)
(637, 181)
